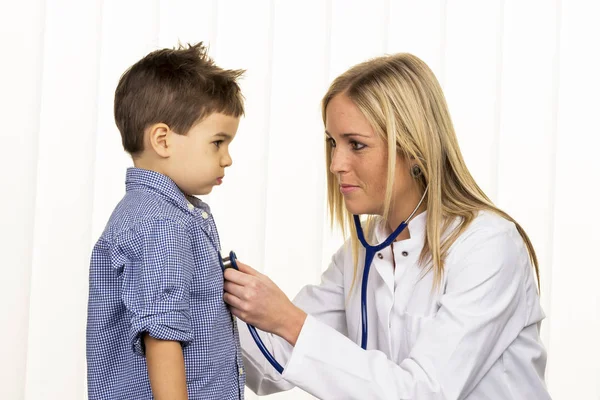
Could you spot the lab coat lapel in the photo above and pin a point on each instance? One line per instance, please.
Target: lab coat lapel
(385, 269)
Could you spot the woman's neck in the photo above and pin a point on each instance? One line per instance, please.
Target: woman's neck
(403, 211)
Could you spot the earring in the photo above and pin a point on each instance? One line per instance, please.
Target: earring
(416, 172)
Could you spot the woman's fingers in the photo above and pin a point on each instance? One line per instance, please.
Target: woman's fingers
(241, 290)
(238, 313)
(239, 277)
(234, 289)
(255, 299)
(233, 301)
(247, 269)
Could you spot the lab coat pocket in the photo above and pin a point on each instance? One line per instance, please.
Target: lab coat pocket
(411, 328)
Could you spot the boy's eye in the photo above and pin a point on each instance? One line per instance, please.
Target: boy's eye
(356, 145)
(218, 143)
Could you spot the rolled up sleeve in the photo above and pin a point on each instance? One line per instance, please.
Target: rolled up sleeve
(157, 266)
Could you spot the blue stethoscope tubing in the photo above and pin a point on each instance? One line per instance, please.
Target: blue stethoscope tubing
(370, 252)
(252, 329)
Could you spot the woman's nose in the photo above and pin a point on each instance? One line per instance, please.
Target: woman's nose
(339, 162)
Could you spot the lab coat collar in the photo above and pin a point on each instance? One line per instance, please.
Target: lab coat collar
(416, 228)
(383, 266)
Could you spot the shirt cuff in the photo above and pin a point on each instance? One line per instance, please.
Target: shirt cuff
(173, 326)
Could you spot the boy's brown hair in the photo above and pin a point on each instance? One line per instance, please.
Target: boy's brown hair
(178, 87)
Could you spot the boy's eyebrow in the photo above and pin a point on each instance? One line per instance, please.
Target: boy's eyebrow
(223, 135)
(349, 134)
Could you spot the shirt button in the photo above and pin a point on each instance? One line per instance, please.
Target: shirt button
(380, 256)
(241, 371)
(204, 214)
(405, 253)
(190, 207)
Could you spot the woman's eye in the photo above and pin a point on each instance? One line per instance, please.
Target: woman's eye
(356, 145)
(330, 141)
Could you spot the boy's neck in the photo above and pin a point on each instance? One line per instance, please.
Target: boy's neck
(152, 165)
(146, 163)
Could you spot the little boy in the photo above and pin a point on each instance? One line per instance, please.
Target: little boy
(157, 324)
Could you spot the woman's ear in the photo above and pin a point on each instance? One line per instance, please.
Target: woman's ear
(415, 171)
(158, 138)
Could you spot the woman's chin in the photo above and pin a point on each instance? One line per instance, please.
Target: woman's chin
(357, 209)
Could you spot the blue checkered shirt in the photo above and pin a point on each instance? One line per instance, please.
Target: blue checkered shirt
(156, 269)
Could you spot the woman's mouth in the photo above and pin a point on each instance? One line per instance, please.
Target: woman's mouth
(347, 189)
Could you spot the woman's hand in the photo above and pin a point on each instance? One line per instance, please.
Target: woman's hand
(256, 300)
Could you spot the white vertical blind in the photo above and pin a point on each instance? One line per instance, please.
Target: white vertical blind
(20, 82)
(574, 312)
(522, 83)
(63, 204)
(527, 127)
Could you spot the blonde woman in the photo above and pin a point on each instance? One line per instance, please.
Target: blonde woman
(452, 303)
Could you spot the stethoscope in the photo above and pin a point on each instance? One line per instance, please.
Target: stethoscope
(370, 251)
(231, 262)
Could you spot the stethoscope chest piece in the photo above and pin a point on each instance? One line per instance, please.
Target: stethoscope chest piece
(231, 262)
(228, 262)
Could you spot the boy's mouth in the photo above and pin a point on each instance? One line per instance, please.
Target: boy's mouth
(220, 180)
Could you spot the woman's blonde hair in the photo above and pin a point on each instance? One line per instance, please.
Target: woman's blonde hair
(404, 103)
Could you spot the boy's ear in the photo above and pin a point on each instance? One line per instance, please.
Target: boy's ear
(159, 138)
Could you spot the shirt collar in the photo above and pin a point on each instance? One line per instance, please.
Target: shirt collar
(416, 227)
(138, 178)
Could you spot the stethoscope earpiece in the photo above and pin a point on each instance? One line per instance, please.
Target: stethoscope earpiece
(416, 172)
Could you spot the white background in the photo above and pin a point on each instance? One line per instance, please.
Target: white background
(522, 79)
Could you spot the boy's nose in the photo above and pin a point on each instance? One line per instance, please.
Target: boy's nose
(226, 161)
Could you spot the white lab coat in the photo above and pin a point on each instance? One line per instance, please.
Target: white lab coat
(475, 338)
